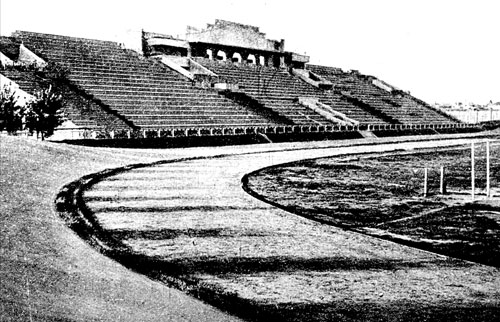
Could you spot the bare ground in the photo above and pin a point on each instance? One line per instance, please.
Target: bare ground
(47, 272)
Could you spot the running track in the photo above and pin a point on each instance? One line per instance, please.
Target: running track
(193, 215)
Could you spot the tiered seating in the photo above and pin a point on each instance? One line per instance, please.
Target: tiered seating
(401, 108)
(82, 112)
(339, 103)
(274, 88)
(25, 80)
(147, 93)
(277, 89)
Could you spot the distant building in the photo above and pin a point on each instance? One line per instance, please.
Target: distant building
(225, 40)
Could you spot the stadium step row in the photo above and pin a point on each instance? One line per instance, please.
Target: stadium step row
(165, 92)
(139, 84)
(144, 121)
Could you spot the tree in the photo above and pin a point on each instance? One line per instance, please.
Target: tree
(12, 112)
(45, 112)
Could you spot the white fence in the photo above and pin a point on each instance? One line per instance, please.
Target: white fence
(69, 133)
(474, 116)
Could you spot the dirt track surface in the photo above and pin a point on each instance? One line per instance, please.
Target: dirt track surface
(194, 222)
(49, 274)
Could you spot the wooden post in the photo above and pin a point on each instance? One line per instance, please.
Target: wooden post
(488, 182)
(442, 183)
(425, 182)
(472, 173)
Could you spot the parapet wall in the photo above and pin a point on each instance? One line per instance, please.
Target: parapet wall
(234, 34)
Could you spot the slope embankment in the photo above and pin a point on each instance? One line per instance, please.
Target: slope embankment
(48, 273)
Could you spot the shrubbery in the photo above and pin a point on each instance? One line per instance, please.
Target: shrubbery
(11, 112)
(41, 115)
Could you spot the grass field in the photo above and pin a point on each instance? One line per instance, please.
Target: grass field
(383, 196)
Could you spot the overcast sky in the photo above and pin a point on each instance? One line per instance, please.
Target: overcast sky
(441, 51)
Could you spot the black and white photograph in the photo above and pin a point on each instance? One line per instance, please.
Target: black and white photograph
(223, 161)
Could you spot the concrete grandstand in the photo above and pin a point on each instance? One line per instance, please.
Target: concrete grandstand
(225, 80)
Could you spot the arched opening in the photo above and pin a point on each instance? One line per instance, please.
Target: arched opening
(209, 54)
(262, 60)
(276, 61)
(221, 55)
(236, 58)
(251, 59)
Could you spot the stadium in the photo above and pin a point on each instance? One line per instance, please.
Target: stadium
(226, 80)
(225, 178)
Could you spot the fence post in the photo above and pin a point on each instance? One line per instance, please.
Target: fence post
(472, 173)
(488, 182)
(425, 182)
(442, 183)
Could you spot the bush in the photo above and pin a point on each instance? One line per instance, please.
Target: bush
(12, 112)
(45, 112)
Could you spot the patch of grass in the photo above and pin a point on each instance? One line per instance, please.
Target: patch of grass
(459, 231)
(380, 192)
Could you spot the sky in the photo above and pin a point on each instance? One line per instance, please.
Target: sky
(441, 51)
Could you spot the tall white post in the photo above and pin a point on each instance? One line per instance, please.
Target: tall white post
(488, 183)
(472, 174)
(425, 182)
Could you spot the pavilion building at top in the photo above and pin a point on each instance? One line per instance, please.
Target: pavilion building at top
(225, 41)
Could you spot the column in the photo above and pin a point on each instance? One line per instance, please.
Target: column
(270, 61)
